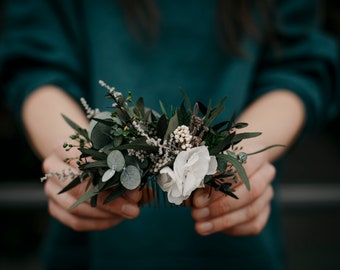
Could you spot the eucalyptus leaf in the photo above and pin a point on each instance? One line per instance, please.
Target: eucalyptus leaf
(99, 133)
(108, 175)
(130, 177)
(111, 183)
(116, 160)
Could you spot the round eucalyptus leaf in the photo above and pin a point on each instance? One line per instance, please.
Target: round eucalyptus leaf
(115, 160)
(99, 133)
(108, 174)
(130, 177)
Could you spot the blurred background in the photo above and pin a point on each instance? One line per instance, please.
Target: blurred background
(309, 194)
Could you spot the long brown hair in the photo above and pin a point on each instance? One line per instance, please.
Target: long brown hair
(233, 20)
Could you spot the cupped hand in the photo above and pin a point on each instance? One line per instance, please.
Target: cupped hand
(214, 211)
(84, 217)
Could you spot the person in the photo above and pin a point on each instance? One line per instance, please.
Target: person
(270, 58)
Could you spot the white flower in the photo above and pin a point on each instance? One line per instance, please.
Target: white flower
(190, 168)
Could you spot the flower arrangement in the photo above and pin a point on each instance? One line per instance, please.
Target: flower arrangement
(133, 146)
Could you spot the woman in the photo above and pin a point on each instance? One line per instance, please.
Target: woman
(270, 59)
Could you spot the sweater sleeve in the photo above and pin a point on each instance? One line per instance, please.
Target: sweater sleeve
(38, 47)
(304, 61)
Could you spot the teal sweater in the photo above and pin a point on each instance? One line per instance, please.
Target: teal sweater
(73, 44)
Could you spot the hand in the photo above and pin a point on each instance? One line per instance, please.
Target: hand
(214, 212)
(84, 217)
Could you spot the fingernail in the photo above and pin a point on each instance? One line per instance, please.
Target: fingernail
(203, 213)
(130, 210)
(205, 227)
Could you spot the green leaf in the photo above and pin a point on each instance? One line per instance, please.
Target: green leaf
(99, 133)
(130, 177)
(77, 128)
(231, 122)
(138, 144)
(133, 160)
(93, 165)
(183, 116)
(246, 135)
(76, 181)
(214, 113)
(116, 161)
(161, 105)
(223, 145)
(162, 126)
(139, 108)
(173, 124)
(117, 140)
(238, 166)
(186, 100)
(93, 201)
(95, 154)
(240, 125)
(89, 194)
(117, 192)
(107, 121)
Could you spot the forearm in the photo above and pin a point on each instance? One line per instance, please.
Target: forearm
(42, 118)
(279, 115)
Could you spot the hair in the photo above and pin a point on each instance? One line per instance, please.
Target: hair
(233, 20)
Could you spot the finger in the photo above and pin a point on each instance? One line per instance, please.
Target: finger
(80, 223)
(204, 196)
(57, 167)
(252, 227)
(148, 195)
(120, 206)
(66, 200)
(230, 219)
(125, 206)
(218, 205)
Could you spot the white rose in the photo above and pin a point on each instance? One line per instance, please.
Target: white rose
(190, 168)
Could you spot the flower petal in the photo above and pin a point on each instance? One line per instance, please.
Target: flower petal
(212, 165)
